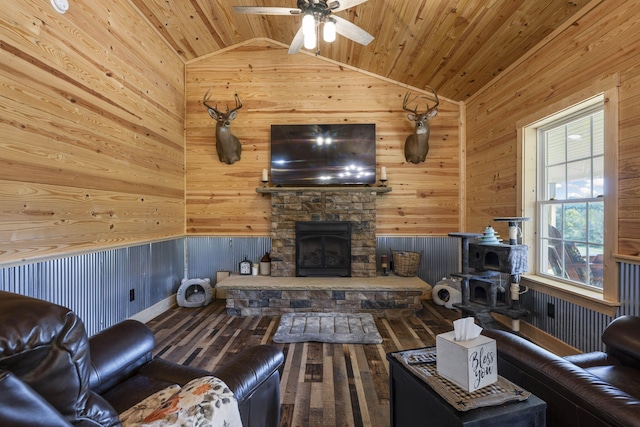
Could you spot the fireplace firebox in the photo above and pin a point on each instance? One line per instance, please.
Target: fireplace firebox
(323, 248)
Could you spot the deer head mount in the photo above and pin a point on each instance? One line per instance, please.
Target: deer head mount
(416, 146)
(227, 145)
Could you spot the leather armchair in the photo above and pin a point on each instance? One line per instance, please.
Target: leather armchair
(52, 374)
(622, 347)
(590, 389)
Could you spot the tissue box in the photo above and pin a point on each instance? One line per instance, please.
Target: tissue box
(471, 364)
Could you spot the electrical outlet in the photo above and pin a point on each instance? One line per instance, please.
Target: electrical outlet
(132, 294)
(551, 310)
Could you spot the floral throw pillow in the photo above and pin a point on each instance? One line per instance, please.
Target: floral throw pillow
(205, 401)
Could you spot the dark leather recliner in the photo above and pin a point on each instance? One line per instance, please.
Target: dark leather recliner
(590, 389)
(52, 374)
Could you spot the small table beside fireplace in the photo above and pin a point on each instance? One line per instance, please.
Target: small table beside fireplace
(413, 402)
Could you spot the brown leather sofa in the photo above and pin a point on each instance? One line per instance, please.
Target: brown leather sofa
(590, 389)
(52, 374)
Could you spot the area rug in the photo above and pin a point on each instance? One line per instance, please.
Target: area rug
(341, 328)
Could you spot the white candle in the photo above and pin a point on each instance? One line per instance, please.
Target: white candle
(265, 175)
(383, 173)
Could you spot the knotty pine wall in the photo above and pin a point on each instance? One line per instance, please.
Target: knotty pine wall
(599, 46)
(91, 130)
(595, 52)
(285, 89)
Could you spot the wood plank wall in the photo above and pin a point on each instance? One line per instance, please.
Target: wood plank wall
(91, 130)
(284, 89)
(600, 44)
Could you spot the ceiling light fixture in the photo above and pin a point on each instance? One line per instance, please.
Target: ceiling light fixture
(329, 31)
(311, 26)
(309, 31)
(308, 24)
(316, 13)
(310, 41)
(61, 6)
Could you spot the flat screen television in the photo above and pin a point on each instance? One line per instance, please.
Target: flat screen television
(331, 154)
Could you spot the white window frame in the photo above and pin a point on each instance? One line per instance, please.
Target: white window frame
(547, 200)
(607, 299)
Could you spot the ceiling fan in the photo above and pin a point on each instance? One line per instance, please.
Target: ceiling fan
(316, 12)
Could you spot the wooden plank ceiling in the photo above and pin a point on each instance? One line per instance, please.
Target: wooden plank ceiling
(455, 46)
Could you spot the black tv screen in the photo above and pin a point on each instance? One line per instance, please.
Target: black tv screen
(333, 154)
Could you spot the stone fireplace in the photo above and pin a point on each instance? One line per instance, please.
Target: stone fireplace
(356, 205)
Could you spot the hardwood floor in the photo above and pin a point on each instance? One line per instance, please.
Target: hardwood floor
(322, 384)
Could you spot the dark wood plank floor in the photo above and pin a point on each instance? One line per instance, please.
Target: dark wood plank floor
(322, 384)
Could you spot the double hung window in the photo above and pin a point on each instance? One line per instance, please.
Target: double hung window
(568, 183)
(570, 202)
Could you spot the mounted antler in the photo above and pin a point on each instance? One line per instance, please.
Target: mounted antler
(227, 145)
(416, 145)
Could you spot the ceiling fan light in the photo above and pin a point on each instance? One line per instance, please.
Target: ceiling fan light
(308, 25)
(329, 31)
(310, 41)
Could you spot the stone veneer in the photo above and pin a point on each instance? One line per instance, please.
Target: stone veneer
(390, 296)
(272, 302)
(357, 205)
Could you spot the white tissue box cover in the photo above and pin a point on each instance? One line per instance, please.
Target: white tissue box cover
(471, 364)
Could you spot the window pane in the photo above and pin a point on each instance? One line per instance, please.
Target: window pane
(575, 222)
(579, 176)
(596, 222)
(551, 221)
(575, 264)
(579, 139)
(551, 262)
(596, 266)
(598, 176)
(544, 221)
(598, 133)
(555, 146)
(557, 186)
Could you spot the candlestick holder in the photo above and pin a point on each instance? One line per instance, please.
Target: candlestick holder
(264, 183)
(383, 183)
(383, 264)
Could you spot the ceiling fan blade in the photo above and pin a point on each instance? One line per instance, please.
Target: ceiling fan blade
(297, 42)
(352, 31)
(259, 10)
(346, 4)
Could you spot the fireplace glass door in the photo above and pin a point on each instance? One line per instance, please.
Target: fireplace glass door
(323, 249)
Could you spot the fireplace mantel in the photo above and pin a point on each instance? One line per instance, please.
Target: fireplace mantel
(328, 189)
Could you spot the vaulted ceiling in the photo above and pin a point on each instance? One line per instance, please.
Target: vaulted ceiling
(455, 46)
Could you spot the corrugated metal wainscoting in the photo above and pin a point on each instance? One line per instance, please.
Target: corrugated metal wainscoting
(440, 255)
(208, 255)
(97, 285)
(578, 326)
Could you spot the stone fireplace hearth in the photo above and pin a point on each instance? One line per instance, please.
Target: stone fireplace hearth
(356, 205)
